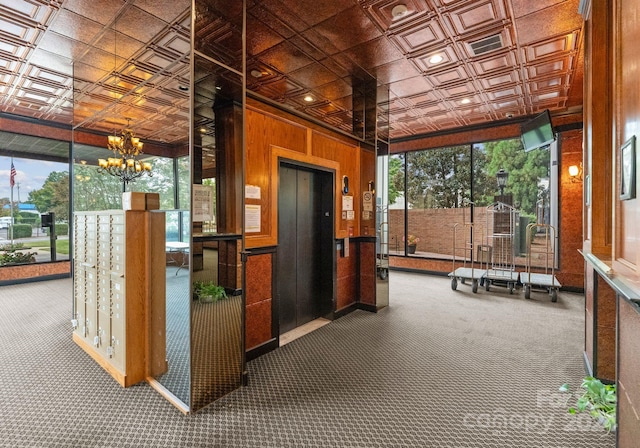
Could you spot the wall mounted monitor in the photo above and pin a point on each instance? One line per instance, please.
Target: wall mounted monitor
(537, 132)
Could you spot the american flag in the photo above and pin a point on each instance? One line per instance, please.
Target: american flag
(12, 178)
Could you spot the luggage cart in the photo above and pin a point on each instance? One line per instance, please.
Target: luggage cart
(382, 255)
(500, 234)
(543, 249)
(463, 243)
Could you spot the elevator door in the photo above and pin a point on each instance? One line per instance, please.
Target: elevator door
(305, 229)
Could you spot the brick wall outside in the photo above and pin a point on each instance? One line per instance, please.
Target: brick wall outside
(435, 229)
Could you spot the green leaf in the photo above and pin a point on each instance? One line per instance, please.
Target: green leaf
(564, 388)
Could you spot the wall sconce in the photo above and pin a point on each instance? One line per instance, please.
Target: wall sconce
(575, 173)
(345, 185)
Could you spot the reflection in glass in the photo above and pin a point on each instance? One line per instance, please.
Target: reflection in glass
(216, 350)
(218, 31)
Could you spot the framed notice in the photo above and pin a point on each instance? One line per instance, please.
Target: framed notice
(628, 169)
(251, 218)
(202, 203)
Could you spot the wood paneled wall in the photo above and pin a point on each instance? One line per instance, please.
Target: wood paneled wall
(612, 235)
(272, 136)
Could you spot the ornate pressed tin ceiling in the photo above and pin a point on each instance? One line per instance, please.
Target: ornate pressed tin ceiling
(447, 63)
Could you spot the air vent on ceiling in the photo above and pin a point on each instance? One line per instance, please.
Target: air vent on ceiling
(486, 44)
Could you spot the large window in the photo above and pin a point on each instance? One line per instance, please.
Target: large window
(32, 187)
(434, 191)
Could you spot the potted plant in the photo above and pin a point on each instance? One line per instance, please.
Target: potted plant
(208, 291)
(598, 399)
(412, 242)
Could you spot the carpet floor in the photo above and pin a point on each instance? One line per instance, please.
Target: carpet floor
(436, 368)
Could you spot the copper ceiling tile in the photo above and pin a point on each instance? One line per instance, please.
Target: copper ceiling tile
(556, 46)
(424, 60)
(495, 62)
(395, 71)
(422, 99)
(454, 75)
(510, 76)
(261, 37)
(548, 83)
(419, 35)
(458, 90)
(22, 31)
(101, 11)
(321, 42)
(427, 109)
(51, 61)
(336, 67)
(500, 94)
(76, 27)
(374, 53)
(314, 11)
(282, 22)
(167, 11)
(557, 19)
(63, 46)
(525, 7)
(313, 75)
(140, 25)
(411, 86)
(474, 16)
(120, 44)
(381, 11)
(308, 48)
(285, 58)
(549, 68)
(353, 19)
(280, 89)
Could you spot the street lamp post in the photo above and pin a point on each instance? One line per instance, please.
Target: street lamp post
(501, 177)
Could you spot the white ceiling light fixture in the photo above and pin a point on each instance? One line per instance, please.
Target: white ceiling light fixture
(256, 73)
(436, 59)
(399, 11)
(465, 101)
(308, 98)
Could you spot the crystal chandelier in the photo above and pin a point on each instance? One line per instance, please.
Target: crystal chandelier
(124, 164)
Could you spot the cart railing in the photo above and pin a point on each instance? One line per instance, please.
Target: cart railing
(545, 248)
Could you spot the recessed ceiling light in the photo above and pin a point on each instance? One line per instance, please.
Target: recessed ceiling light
(436, 59)
(203, 130)
(256, 73)
(308, 98)
(399, 11)
(218, 88)
(465, 101)
(183, 88)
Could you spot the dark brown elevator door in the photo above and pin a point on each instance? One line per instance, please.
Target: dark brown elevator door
(299, 246)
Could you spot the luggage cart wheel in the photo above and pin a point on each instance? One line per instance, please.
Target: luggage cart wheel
(510, 288)
(527, 292)
(383, 274)
(454, 283)
(474, 285)
(463, 281)
(554, 295)
(487, 283)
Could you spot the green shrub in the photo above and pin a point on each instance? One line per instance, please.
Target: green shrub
(9, 258)
(8, 247)
(21, 230)
(61, 229)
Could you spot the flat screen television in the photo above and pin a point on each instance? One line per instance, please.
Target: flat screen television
(537, 132)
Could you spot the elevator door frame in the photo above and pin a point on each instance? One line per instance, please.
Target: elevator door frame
(326, 306)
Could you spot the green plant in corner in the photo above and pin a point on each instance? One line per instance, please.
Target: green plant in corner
(208, 291)
(598, 399)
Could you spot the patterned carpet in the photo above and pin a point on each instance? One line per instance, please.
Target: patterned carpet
(437, 368)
